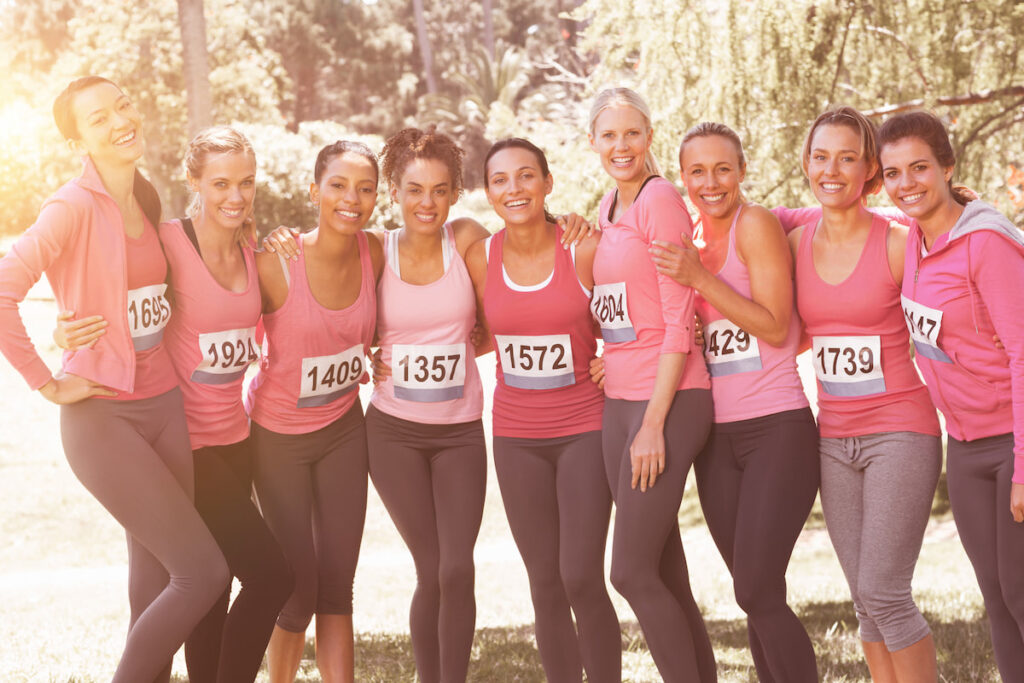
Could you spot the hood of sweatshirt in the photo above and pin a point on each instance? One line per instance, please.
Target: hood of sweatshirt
(978, 215)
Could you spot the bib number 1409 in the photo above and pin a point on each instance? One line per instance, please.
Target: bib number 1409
(326, 378)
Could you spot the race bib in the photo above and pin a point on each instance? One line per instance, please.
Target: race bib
(536, 362)
(148, 313)
(729, 350)
(611, 310)
(226, 355)
(924, 324)
(327, 378)
(428, 373)
(849, 366)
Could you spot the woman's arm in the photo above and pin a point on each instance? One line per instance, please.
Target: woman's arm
(476, 264)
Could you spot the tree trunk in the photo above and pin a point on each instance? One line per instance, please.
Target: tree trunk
(196, 64)
(488, 7)
(426, 54)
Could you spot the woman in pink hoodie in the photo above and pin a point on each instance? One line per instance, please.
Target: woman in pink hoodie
(963, 275)
(122, 421)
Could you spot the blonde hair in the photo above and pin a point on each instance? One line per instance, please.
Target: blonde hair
(624, 97)
(860, 124)
(215, 140)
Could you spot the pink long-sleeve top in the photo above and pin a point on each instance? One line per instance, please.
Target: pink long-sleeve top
(643, 314)
(955, 297)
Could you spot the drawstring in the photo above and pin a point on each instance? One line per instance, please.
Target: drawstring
(970, 287)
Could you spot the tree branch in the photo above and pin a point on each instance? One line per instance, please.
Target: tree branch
(951, 101)
(906, 46)
(842, 50)
(973, 135)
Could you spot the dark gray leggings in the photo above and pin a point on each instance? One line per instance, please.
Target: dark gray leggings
(134, 457)
(558, 505)
(432, 479)
(757, 481)
(979, 475)
(312, 492)
(648, 564)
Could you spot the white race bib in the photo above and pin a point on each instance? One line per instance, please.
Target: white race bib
(226, 355)
(148, 313)
(924, 324)
(611, 310)
(536, 362)
(729, 349)
(428, 373)
(849, 366)
(326, 378)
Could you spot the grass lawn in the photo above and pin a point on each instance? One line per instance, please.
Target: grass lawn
(63, 578)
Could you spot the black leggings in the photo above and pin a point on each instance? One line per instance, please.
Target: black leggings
(648, 564)
(558, 505)
(979, 475)
(227, 647)
(432, 478)
(757, 481)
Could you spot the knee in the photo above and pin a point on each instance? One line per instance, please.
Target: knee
(456, 576)
(275, 580)
(583, 583)
(631, 583)
(894, 614)
(759, 594)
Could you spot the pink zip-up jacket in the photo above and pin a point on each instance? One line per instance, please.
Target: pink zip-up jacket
(955, 297)
(78, 241)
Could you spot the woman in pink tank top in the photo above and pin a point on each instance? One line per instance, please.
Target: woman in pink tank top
(880, 447)
(758, 474)
(535, 296)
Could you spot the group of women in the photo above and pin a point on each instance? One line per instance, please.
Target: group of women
(164, 318)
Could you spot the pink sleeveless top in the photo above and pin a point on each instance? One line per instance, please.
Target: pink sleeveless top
(211, 340)
(423, 334)
(749, 378)
(316, 356)
(544, 340)
(867, 382)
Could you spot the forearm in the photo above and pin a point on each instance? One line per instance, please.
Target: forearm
(670, 369)
(748, 314)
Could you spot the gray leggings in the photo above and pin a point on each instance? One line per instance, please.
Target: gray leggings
(979, 492)
(648, 565)
(558, 505)
(876, 493)
(312, 492)
(134, 457)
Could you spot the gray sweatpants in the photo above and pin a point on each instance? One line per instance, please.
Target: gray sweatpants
(876, 493)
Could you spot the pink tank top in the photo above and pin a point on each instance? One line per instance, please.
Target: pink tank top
(316, 356)
(211, 340)
(749, 378)
(423, 334)
(544, 340)
(867, 382)
(148, 313)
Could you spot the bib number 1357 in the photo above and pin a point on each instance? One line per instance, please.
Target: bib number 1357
(849, 366)
(327, 378)
(428, 373)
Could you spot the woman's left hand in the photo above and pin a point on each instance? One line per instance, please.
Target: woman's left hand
(1017, 502)
(647, 456)
(681, 263)
(282, 242)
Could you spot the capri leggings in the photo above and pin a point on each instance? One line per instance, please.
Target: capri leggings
(227, 647)
(648, 565)
(876, 494)
(558, 505)
(979, 474)
(134, 457)
(312, 491)
(757, 481)
(432, 479)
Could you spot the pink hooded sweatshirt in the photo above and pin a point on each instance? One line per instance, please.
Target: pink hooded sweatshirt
(955, 297)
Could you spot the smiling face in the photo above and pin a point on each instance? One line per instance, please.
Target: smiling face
(836, 167)
(914, 179)
(622, 138)
(425, 195)
(712, 172)
(226, 188)
(347, 193)
(517, 186)
(109, 128)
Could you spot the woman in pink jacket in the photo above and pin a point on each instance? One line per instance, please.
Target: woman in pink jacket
(122, 421)
(963, 275)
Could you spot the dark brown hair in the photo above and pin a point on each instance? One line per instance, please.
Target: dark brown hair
(336, 149)
(860, 124)
(927, 128)
(520, 143)
(413, 143)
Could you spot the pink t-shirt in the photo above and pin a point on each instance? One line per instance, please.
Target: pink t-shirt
(867, 382)
(211, 340)
(316, 356)
(642, 313)
(434, 378)
(749, 377)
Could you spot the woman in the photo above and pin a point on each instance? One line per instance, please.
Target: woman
(758, 474)
(122, 422)
(968, 272)
(535, 297)
(880, 448)
(657, 410)
(307, 426)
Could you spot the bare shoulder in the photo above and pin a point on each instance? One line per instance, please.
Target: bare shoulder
(476, 261)
(376, 244)
(587, 247)
(794, 239)
(467, 231)
(759, 236)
